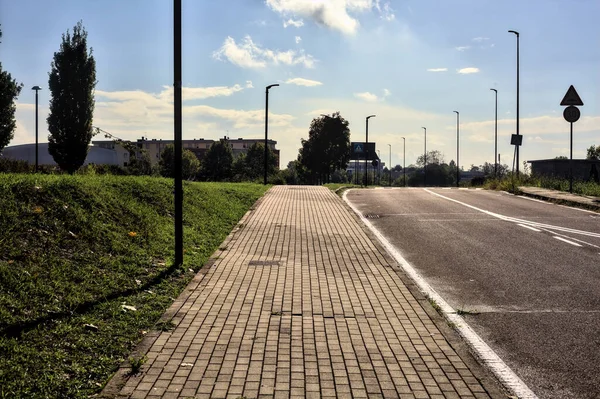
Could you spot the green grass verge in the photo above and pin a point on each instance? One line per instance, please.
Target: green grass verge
(74, 250)
(511, 185)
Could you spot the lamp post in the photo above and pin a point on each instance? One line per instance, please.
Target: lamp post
(378, 168)
(425, 161)
(367, 150)
(517, 149)
(36, 88)
(457, 147)
(177, 127)
(404, 160)
(390, 165)
(496, 137)
(267, 127)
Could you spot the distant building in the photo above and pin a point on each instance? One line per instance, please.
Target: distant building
(199, 147)
(583, 169)
(26, 152)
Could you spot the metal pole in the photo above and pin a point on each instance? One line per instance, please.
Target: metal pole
(177, 108)
(404, 160)
(457, 148)
(571, 163)
(517, 149)
(267, 129)
(367, 153)
(390, 165)
(425, 161)
(36, 129)
(496, 137)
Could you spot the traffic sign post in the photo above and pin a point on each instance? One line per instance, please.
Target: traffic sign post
(571, 115)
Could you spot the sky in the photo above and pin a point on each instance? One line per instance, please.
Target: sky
(409, 62)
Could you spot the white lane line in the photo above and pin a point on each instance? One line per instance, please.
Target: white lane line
(567, 241)
(517, 220)
(486, 354)
(529, 227)
(536, 200)
(571, 238)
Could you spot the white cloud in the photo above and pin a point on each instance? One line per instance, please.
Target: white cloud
(466, 71)
(249, 84)
(298, 39)
(370, 97)
(332, 14)
(462, 48)
(387, 13)
(480, 39)
(250, 55)
(303, 82)
(437, 70)
(386, 92)
(290, 22)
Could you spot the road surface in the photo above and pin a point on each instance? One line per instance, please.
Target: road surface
(526, 272)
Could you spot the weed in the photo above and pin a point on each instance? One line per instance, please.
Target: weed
(452, 325)
(463, 312)
(136, 364)
(275, 313)
(435, 305)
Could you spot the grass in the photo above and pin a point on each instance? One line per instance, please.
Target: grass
(339, 188)
(77, 251)
(511, 185)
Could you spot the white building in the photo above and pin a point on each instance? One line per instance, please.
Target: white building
(26, 152)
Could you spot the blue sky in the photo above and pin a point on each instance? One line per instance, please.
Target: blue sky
(412, 63)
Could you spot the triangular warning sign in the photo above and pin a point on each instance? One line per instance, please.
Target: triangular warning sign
(571, 98)
(358, 148)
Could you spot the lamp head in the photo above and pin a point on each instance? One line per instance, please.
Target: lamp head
(36, 88)
(514, 31)
(273, 85)
(371, 116)
(456, 112)
(494, 90)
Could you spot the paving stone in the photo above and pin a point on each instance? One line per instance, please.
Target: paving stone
(302, 304)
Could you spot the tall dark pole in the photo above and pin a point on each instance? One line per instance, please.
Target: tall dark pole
(571, 162)
(517, 149)
(178, 133)
(457, 147)
(36, 88)
(367, 150)
(267, 128)
(390, 165)
(404, 160)
(496, 137)
(425, 161)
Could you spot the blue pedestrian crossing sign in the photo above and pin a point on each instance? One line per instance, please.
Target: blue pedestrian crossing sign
(358, 148)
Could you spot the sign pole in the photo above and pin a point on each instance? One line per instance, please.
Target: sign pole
(571, 163)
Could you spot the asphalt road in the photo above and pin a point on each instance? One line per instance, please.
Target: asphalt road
(529, 270)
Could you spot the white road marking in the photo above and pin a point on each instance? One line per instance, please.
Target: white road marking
(567, 241)
(579, 209)
(529, 227)
(535, 199)
(486, 354)
(522, 221)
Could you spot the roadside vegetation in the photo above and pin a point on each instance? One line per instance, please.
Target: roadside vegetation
(512, 184)
(86, 271)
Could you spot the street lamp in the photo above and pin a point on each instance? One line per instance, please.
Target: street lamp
(378, 168)
(404, 160)
(457, 147)
(267, 127)
(496, 137)
(425, 161)
(390, 165)
(36, 88)
(177, 132)
(367, 149)
(517, 149)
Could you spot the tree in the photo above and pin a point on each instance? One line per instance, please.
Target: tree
(255, 161)
(593, 152)
(189, 163)
(564, 157)
(327, 148)
(9, 91)
(71, 82)
(433, 157)
(218, 161)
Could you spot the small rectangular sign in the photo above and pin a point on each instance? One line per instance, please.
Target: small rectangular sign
(516, 139)
(359, 150)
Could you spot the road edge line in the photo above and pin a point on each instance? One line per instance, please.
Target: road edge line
(483, 351)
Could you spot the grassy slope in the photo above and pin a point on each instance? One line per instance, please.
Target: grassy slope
(73, 249)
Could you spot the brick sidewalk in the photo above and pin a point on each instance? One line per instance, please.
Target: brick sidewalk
(302, 303)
